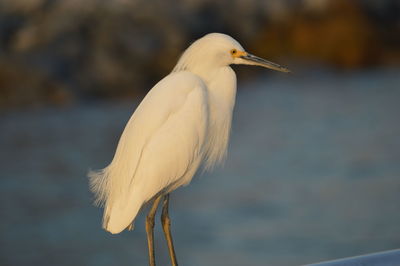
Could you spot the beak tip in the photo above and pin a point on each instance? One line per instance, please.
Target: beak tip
(285, 70)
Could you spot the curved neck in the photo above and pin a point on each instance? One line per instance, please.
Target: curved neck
(222, 87)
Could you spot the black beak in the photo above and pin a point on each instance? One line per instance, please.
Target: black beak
(258, 61)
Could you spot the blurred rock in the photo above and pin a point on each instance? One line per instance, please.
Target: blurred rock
(341, 34)
(120, 48)
(22, 86)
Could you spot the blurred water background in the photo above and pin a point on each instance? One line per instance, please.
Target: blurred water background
(313, 167)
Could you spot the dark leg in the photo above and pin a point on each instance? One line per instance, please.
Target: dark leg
(150, 230)
(166, 225)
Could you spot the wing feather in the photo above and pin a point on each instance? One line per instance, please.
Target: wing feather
(162, 139)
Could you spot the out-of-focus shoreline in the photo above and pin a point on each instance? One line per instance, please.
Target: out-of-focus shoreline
(58, 52)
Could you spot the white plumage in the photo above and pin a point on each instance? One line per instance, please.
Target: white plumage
(183, 122)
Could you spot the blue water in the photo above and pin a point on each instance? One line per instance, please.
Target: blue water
(312, 174)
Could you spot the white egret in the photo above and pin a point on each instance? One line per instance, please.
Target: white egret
(183, 123)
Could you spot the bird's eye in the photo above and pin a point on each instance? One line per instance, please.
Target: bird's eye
(233, 51)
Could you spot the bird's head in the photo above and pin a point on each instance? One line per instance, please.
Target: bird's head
(217, 50)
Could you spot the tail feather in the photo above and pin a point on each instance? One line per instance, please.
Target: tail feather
(121, 213)
(98, 182)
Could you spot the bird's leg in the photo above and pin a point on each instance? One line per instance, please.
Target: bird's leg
(166, 225)
(150, 230)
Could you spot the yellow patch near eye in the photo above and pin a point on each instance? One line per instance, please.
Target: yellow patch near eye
(235, 53)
